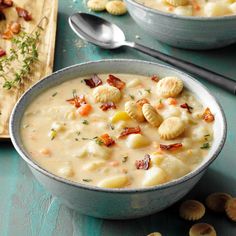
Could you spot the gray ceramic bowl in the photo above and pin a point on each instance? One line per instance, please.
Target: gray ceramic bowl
(184, 32)
(117, 203)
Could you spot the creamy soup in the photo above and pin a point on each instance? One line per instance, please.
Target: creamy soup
(207, 8)
(118, 131)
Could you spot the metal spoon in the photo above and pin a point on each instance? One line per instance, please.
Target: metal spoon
(102, 33)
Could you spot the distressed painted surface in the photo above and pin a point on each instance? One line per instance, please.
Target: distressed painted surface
(26, 209)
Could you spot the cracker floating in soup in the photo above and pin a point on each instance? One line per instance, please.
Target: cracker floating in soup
(118, 131)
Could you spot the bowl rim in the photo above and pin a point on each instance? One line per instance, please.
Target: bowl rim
(174, 16)
(22, 152)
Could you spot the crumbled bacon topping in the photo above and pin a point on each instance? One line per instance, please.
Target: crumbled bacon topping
(186, 106)
(208, 116)
(142, 101)
(171, 147)
(107, 140)
(6, 3)
(93, 82)
(77, 101)
(108, 105)
(23, 13)
(155, 78)
(15, 27)
(115, 82)
(130, 130)
(143, 164)
(2, 16)
(2, 52)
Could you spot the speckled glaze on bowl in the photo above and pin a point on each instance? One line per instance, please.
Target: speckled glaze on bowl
(198, 33)
(117, 203)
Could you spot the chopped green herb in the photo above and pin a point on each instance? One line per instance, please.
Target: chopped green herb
(205, 146)
(53, 95)
(132, 96)
(160, 101)
(192, 122)
(53, 134)
(86, 138)
(0, 113)
(111, 126)
(140, 92)
(76, 139)
(98, 141)
(85, 122)
(124, 159)
(74, 93)
(25, 126)
(207, 135)
(148, 90)
(87, 180)
(78, 133)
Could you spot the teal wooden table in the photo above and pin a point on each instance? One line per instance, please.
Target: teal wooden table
(26, 209)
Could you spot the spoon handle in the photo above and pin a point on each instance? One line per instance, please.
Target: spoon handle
(217, 79)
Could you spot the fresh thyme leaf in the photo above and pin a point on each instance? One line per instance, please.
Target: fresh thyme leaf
(87, 180)
(78, 133)
(85, 122)
(55, 94)
(98, 141)
(76, 139)
(205, 146)
(148, 90)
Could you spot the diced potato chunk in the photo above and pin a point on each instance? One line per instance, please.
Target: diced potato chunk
(58, 126)
(119, 116)
(133, 83)
(184, 10)
(119, 181)
(81, 153)
(93, 165)
(98, 151)
(137, 141)
(154, 176)
(216, 9)
(233, 7)
(156, 159)
(65, 171)
(174, 167)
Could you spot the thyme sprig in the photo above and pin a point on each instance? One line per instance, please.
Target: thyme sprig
(17, 66)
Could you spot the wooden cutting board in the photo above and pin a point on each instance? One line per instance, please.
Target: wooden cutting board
(39, 9)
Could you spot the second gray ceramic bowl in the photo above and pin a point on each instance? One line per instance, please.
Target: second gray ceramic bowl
(184, 32)
(117, 203)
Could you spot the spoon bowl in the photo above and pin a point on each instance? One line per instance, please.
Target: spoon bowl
(97, 30)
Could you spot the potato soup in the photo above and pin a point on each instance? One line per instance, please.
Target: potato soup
(118, 130)
(207, 8)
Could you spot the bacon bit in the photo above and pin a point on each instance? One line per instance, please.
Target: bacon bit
(7, 34)
(171, 147)
(142, 101)
(6, 3)
(77, 101)
(85, 109)
(107, 140)
(155, 78)
(2, 52)
(208, 116)
(115, 82)
(172, 101)
(186, 106)
(23, 13)
(15, 27)
(93, 82)
(143, 164)
(108, 105)
(130, 130)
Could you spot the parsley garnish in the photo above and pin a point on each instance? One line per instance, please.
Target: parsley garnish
(53, 95)
(124, 159)
(87, 180)
(85, 122)
(205, 146)
(148, 90)
(132, 96)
